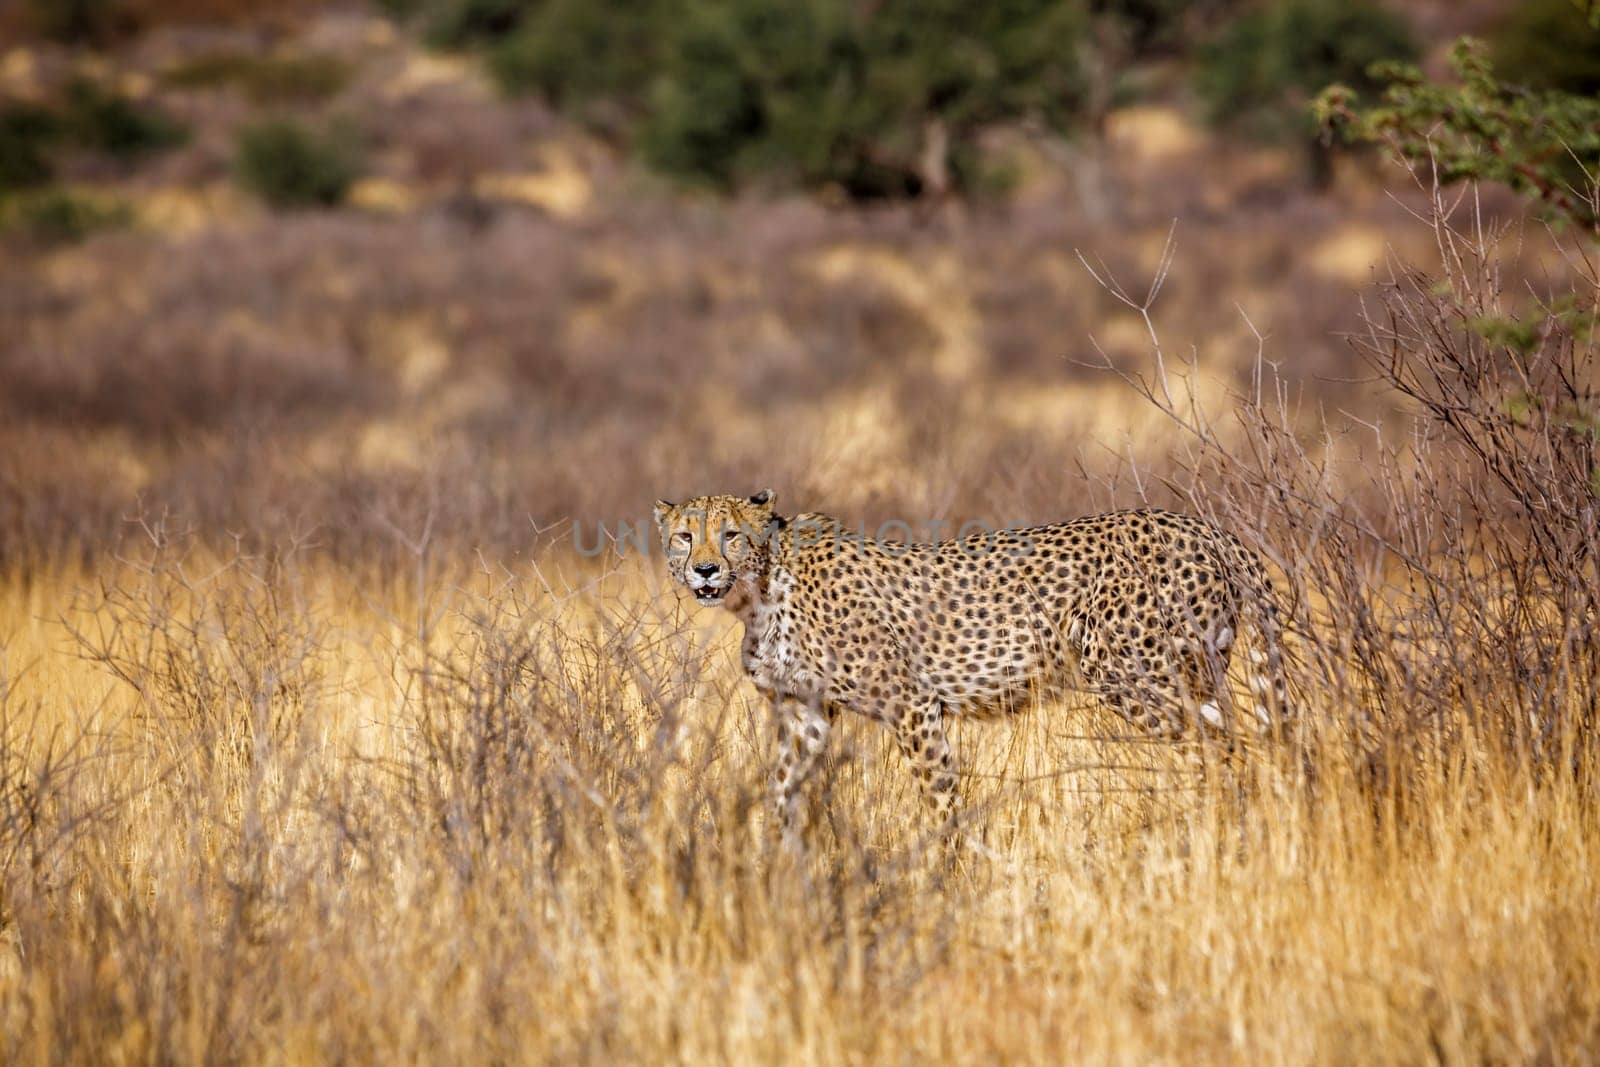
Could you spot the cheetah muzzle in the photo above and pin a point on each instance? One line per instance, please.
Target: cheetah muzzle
(709, 595)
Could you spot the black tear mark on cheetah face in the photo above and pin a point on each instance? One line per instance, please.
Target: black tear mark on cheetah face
(712, 543)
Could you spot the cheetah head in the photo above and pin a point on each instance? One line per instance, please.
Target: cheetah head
(714, 542)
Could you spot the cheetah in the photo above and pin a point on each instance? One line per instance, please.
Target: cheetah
(1139, 608)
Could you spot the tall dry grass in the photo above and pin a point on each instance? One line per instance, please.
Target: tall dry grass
(302, 794)
(497, 821)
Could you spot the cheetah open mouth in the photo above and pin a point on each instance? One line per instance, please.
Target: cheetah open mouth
(710, 595)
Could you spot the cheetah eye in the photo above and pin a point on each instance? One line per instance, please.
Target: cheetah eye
(730, 538)
(683, 538)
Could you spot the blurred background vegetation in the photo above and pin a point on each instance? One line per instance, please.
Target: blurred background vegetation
(402, 244)
(883, 100)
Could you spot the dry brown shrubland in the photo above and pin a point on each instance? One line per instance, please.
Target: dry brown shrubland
(319, 742)
(338, 368)
(291, 772)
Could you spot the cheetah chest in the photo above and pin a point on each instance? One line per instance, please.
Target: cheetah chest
(771, 653)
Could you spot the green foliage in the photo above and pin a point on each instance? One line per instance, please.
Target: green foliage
(80, 21)
(400, 10)
(1518, 334)
(56, 216)
(289, 165)
(882, 99)
(584, 56)
(1545, 145)
(1261, 70)
(458, 23)
(87, 118)
(27, 133)
(112, 124)
(264, 80)
(1566, 314)
(1549, 44)
(742, 80)
(877, 102)
(1162, 26)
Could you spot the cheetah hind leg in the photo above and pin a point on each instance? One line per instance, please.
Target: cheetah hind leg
(920, 735)
(1150, 699)
(1205, 678)
(1166, 683)
(1206, 674)
(1154, 713)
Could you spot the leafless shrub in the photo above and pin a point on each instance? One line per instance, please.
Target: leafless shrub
(56, 783)
(222, 654)
(1442, 577)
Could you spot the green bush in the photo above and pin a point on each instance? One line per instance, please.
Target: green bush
(1263, 69)
(1544, 145)
(289, 165)
(1548, 44)
(27, 134)
(876, 102)
(111, 124)
(1162, 26)
(458, 23)
(80, 21)
(400, 10)
(55, 216)
(585, 57)
(879, 100)
(740, 82)
(87, 118)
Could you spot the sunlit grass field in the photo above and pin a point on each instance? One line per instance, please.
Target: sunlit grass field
(275, 811)
(345, 754)
(322, 741)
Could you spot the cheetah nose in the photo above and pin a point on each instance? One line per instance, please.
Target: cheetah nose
(705, 570)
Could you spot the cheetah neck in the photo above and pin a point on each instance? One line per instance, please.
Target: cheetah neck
(753, 595)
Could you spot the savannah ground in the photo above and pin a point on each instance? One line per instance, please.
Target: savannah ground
(322, 742)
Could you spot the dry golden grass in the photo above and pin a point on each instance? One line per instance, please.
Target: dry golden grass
(453, 816)
(362, 767)
(372, 786)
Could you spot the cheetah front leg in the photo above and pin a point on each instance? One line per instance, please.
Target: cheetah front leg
(920, 733)
(803, 728)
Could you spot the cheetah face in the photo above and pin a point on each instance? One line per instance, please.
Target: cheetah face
(714, 542)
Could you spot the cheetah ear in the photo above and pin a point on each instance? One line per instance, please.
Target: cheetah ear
(764, 498)
(662, 510)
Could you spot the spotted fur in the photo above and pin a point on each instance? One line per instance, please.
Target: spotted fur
(1139, 608)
